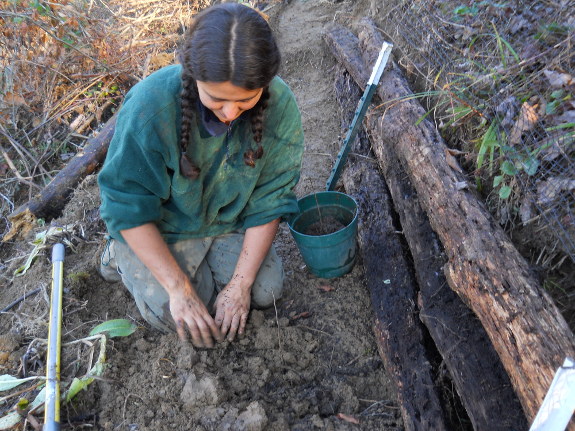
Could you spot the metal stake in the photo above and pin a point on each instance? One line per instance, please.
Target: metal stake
(364, 102)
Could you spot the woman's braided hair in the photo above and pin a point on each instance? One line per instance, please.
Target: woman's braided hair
(228, 42)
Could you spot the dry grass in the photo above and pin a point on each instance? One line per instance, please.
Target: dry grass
(65, 67)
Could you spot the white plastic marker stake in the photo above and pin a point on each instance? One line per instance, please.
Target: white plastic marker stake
(52, 406)
(559, 403)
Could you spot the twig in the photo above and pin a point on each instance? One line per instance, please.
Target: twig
(126, 402)
(16, 172)
(521, 63)
(313, 329)
(361, 156)
(22, 391)
(10, 203)
(278, 326)
(19, 300)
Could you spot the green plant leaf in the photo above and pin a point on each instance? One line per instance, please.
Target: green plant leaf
(115, 328)
(76, 386)
(497, 181)
(423, 117)
(504, 192)
(8, 382)
(508, 168)
(466, 10)
(560, 126)
(489, 142)
(14, 417)
(97, 370)
(551, 107)
(511, 50)
(530, 166)
(10, 420)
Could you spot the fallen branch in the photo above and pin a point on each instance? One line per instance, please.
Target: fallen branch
(52, 199)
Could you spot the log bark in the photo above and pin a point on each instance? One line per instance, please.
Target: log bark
(50, 202)
(527, 330)
(474, 367)
(393, 291)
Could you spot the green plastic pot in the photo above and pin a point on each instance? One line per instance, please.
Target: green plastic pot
(331, 255)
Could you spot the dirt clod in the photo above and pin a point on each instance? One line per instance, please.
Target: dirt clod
(252, 419)
(199, 392)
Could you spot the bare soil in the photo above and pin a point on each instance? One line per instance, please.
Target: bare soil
(325, 226)
(310, 362)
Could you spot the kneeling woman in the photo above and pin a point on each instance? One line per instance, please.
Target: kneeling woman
(199, 173)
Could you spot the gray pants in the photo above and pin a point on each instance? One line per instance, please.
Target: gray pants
(208, 262)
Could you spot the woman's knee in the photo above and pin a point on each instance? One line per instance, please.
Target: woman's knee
(269, 284)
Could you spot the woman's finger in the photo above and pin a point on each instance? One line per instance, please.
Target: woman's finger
(225, 327)
(180, 330)
(234, 327)
(243, 321)
(206, 334)
(215, 330)
(219, 318)
(216, 333)
(195, 334)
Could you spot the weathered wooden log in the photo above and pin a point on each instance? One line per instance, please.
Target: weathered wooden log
(484, 268)
(392, 290)
(50, 202)
(474, 367)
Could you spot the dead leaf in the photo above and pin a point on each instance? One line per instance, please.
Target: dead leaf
(566, 117)
(526, 121)
(22, 224)
(14, 99)
(526, 209)
(455, 152)
(452, 161)
(161, 59)
(517, 23)
(555, 144)
(325, 288)
(550, 189)
(558, 80)
(506, 111)
(348, 418)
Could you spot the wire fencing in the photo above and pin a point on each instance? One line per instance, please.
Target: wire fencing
(498, 78)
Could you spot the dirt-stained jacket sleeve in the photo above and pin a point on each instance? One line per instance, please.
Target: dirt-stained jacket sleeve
(134, 180)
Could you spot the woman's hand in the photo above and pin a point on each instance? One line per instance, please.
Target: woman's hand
(232, 309)
(233, 302)
(192, 316)
(189, 313)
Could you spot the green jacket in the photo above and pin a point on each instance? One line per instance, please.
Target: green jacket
(140, 181)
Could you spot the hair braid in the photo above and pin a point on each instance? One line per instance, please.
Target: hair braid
(189, 96)
(257, 120)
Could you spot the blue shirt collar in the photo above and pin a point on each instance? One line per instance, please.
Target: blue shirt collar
(212, 124)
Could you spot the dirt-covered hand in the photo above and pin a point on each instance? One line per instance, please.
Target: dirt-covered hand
(232, 308)
(192, 316)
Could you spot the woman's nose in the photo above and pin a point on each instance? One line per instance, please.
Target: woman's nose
(231, 111)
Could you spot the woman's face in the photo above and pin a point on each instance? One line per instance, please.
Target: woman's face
(226, 100)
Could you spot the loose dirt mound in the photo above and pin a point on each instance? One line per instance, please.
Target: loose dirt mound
(302, 363)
